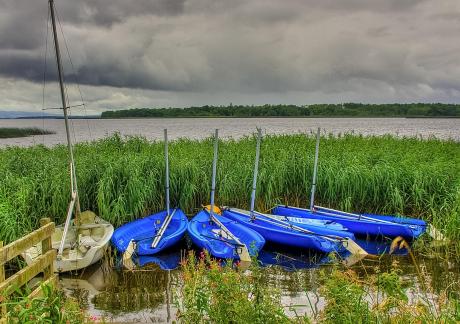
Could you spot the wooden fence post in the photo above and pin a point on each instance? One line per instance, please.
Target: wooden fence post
(2, 278)
(46, 246)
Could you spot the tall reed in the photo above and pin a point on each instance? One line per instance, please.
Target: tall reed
(123, 178)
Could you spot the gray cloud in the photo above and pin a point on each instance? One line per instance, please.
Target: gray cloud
(216, 51)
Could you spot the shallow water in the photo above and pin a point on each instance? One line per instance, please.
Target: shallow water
(92, 129)
(146, 294)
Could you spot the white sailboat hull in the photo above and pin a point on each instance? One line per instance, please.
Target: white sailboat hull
(84, 245)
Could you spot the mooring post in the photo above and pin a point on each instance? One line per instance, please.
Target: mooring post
(46, 246)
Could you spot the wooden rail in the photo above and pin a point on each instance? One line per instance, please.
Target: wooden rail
(44, 263)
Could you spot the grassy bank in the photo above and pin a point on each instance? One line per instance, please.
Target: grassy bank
(123, 179)
(6, 132)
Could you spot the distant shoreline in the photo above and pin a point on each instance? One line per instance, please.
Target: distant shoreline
(346, 110)
(243, 117)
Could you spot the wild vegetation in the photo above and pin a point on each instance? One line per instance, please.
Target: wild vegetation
(215, 293)
(316, 110)
(52, 307)
(6, 132)
(123, 178)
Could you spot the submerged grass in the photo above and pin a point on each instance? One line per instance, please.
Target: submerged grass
(123, 178)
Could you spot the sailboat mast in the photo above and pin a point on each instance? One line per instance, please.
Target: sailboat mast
(256, 169)
(315, 171)
(64, 106)
(167, 171)
(214, 169)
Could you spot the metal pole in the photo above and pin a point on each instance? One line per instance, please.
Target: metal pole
(315, 170)
(64, 104)
(243, 252)
(214, 171)
(157, 238)
(256, 170)
(167, 171)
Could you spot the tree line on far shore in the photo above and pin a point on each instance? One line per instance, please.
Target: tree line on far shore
(315, 110)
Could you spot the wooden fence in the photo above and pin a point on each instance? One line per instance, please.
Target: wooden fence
(44, 263)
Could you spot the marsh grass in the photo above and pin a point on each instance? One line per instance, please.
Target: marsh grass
(6, 132)
(123, 178)
(212, 292)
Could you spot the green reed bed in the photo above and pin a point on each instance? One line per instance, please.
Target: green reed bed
(9, 132)
(123, 178)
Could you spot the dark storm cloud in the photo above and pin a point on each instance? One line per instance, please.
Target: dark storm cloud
(364, 50)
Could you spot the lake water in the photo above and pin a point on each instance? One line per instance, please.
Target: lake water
(92, 129)
(146, 294)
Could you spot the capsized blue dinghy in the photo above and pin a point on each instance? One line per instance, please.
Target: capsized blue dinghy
(206, 234)
(143, 231)
(360, 224)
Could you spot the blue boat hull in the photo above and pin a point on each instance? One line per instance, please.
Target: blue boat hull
(284, 236)
(319, 226)
(143, 230)
(204, 234)
(408, 228)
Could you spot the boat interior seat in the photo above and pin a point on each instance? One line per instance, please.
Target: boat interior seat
(87, 241)
(57, 237)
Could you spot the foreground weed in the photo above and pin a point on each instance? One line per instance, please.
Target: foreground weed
(51, 307)
(213, 292)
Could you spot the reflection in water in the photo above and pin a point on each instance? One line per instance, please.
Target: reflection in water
(166, 261)
(146, 294)
(133, 290)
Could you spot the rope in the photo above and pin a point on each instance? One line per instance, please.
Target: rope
(76, 78)
(66, 92)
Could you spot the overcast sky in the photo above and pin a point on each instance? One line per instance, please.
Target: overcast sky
(161, 53)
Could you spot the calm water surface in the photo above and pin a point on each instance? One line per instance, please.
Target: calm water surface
(87, 130)
(146, 294)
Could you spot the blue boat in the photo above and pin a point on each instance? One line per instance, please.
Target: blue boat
(153, 233)
(221, 237)
(360, 224)
(143, 231)
(206, 234)
(275, 232)
(322, 236)
(317, 226)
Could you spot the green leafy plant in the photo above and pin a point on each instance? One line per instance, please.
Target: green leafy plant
(51, 307)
